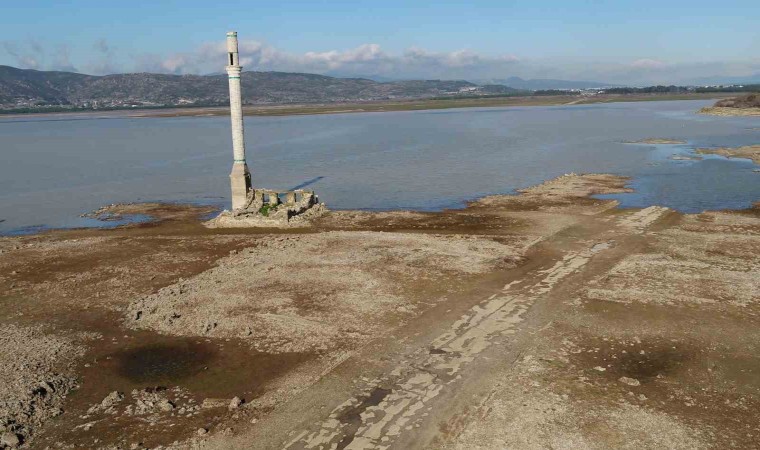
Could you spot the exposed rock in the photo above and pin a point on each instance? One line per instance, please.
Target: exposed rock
(214, 403)
(235, 403)
(685, 158)
(629, 381)
(153, 400)
(108, 402)
(10, 440)
(165, 405)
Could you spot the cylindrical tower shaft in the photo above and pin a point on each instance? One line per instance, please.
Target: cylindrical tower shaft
(240, 178)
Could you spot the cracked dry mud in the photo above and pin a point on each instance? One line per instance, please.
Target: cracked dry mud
(549, 319)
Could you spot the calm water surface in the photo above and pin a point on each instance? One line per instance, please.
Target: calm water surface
(55, 168)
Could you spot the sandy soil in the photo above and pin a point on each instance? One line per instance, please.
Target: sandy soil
(727, 111)
(548, 319)
(320, 292)
(749, 151)
(36, 373)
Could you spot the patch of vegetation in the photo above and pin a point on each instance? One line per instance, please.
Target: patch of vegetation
(672, 89)
(649, 90)
(546, 92)
(265, 210)
(743, 88)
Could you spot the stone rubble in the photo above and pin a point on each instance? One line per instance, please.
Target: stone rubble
(265, 208)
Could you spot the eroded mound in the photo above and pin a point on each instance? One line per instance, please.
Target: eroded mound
(317, 292)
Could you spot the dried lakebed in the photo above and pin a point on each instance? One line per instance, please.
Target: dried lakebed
(541, 320)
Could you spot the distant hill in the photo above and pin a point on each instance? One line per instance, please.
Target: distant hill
(21, 88)
(547, 83)
(724, 81)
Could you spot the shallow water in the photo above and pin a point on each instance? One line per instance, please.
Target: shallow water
(55, 168)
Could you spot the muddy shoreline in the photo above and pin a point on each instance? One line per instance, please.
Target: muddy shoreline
(328, 324)
(730, 111)
(751, 152)
(370, 106)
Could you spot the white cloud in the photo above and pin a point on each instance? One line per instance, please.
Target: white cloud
(366, 59)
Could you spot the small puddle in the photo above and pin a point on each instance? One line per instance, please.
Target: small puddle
(164, 362)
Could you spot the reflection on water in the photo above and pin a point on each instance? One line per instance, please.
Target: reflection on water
(53, 171)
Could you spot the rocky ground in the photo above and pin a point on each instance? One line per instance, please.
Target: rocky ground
(548, 319)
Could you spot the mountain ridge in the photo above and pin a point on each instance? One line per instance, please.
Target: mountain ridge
(27, 88)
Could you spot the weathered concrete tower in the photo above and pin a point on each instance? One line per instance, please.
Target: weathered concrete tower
(240, 178)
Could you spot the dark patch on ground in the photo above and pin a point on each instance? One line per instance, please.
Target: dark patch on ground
(158, 363)
(647, 366)
(466, 221)
(707, 386)
(204, 368)
(352, 414)
(643, 360)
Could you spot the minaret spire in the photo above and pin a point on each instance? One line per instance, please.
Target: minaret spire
(240, 177)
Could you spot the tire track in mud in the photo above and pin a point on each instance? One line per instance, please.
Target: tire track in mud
(399, 401)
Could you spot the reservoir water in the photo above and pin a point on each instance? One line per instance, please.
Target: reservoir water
(55, 168)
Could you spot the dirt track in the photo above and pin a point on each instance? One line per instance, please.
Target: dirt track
(544, 320)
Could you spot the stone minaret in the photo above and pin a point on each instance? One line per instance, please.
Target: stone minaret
(240, 178)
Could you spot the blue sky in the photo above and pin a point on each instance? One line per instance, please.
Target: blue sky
(635, 42)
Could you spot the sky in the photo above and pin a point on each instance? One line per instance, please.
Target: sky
(623, 42)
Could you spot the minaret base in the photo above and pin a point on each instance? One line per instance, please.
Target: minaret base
(265, 208)
(240, 181)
